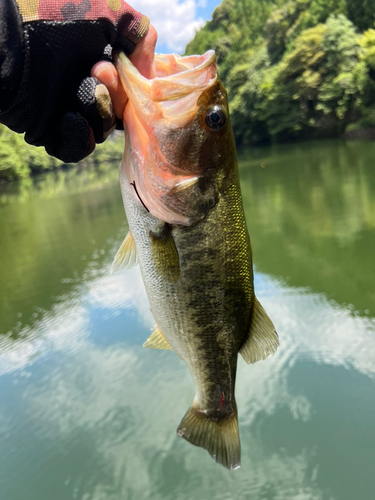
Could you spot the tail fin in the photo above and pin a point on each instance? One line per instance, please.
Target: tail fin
(218, 436)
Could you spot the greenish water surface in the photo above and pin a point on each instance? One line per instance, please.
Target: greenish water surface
(86, 413)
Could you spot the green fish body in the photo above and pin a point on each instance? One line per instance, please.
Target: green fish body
(191, 241)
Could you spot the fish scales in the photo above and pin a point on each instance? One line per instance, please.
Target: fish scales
(188, 230)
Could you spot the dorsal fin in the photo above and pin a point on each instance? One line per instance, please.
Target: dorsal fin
(262, 340)
(126, 257)
(157, 340)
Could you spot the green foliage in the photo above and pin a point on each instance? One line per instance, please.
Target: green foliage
(19, 160)
(109, 151)
(361, 13)
(236, 27)
(367, 42)
(301, 69)
(281, 27)
(293, 69)
(318, 11)
(316, 86)
(12, 162)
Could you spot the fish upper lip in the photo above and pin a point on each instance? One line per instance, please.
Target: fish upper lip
(209, 58)
(179, 84)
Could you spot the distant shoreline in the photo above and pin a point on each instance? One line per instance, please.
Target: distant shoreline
(366, 134)
(360, 133)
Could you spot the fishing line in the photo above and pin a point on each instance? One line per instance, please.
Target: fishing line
(136, 192)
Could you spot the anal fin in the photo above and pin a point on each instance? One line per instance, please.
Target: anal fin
(262, 340)
(126, 257)
(157, 340)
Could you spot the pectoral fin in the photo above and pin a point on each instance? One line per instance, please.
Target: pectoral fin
(164, 254)
(126, 257)
(157, 340)
(262, 340)
(192, 198)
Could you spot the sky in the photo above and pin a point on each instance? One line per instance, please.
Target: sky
(175, 20)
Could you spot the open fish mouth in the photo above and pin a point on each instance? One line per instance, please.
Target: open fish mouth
(163, 126)
(176, 76)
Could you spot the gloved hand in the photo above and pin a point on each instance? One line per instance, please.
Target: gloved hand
(47, 48)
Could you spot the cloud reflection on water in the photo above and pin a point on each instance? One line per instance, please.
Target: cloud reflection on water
(126, 401)
(308, 324)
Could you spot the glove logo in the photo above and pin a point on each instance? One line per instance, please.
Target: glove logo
(71, 12)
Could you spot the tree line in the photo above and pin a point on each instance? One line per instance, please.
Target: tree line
(294, 69)
(19, 160)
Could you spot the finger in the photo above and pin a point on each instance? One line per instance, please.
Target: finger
(106, 73)
(143, 55)
(95, 104)
(142, 58)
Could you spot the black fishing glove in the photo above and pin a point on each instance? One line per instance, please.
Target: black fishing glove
(47, 48)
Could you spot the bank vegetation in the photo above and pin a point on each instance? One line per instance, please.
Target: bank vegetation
(293, 69)
(19, 160)
(296, 69)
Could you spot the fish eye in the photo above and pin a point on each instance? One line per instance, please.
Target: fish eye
(215, 118)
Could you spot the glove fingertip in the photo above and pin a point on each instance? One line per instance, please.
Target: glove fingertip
(133, 26)
(76, 140)
(95, 105)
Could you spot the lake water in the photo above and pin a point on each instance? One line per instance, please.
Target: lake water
(87, 413)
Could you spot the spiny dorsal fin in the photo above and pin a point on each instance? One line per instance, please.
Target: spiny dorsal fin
(262, 340)
(157, 340)
(164, 254)
(126, 257)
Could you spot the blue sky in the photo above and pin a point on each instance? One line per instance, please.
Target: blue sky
(175, 20)
(206, 8)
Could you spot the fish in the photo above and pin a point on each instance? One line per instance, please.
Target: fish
(180, 185)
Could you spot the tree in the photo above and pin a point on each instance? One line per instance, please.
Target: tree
(361, 13)
(316, 89)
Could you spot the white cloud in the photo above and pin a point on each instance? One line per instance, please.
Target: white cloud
(66, 328)
(109, 392)
(330, 334)
(122, 290)
(63, 329)
(174, 21)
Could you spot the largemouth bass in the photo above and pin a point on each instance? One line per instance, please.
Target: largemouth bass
(180, 185)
